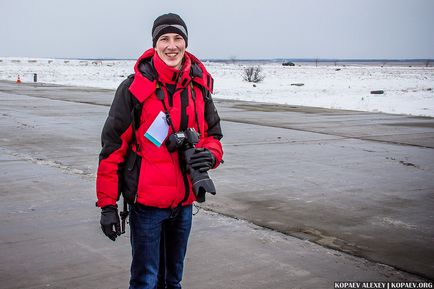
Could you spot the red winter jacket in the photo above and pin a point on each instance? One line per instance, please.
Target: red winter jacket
(159, 180)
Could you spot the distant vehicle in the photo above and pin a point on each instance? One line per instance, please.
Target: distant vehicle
(288, 63)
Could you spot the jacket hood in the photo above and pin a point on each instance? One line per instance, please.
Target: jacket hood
(149, 69)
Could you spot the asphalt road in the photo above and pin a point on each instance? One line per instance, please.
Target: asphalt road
(306, 196)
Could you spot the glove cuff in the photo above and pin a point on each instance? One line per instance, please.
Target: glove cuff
(213, 161)
(113, 208)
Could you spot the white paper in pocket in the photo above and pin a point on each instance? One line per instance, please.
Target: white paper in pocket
(158, 130)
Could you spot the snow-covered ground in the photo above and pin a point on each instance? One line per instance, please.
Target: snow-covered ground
(407, 90)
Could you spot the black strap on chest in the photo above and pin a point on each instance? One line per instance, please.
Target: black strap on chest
(184, 117)
(182, 127)
(184, 103)
(160, 95)
(193, 96)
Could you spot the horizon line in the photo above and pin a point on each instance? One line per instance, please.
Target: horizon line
(288, 59)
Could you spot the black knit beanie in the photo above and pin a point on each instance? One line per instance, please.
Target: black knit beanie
(169, 23)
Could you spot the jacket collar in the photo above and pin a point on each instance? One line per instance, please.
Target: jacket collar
(170, 75)
(149, 67)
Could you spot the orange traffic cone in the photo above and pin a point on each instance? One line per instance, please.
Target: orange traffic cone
(18, 79)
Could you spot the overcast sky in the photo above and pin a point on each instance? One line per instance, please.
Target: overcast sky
(221, 28)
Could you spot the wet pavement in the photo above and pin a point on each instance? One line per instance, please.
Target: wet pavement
(306, 196)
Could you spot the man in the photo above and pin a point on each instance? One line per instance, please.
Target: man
(168, 97)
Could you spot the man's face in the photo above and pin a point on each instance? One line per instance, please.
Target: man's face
(171, 49)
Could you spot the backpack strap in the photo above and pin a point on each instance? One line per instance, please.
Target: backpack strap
(202, 78)
(193, 96)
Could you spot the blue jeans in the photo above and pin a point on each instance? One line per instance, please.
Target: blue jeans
(159, 242)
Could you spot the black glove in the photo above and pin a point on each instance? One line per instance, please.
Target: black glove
(202, 160)
(110, 218)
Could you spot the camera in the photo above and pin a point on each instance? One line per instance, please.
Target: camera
(186, 141)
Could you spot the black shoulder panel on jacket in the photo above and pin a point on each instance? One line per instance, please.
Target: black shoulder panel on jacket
(118, 120)
(212, 117)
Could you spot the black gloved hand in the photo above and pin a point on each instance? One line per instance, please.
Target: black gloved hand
(202, 160)
(110, 218)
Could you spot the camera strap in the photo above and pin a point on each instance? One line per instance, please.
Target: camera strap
(184, 103)
(160, 95)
